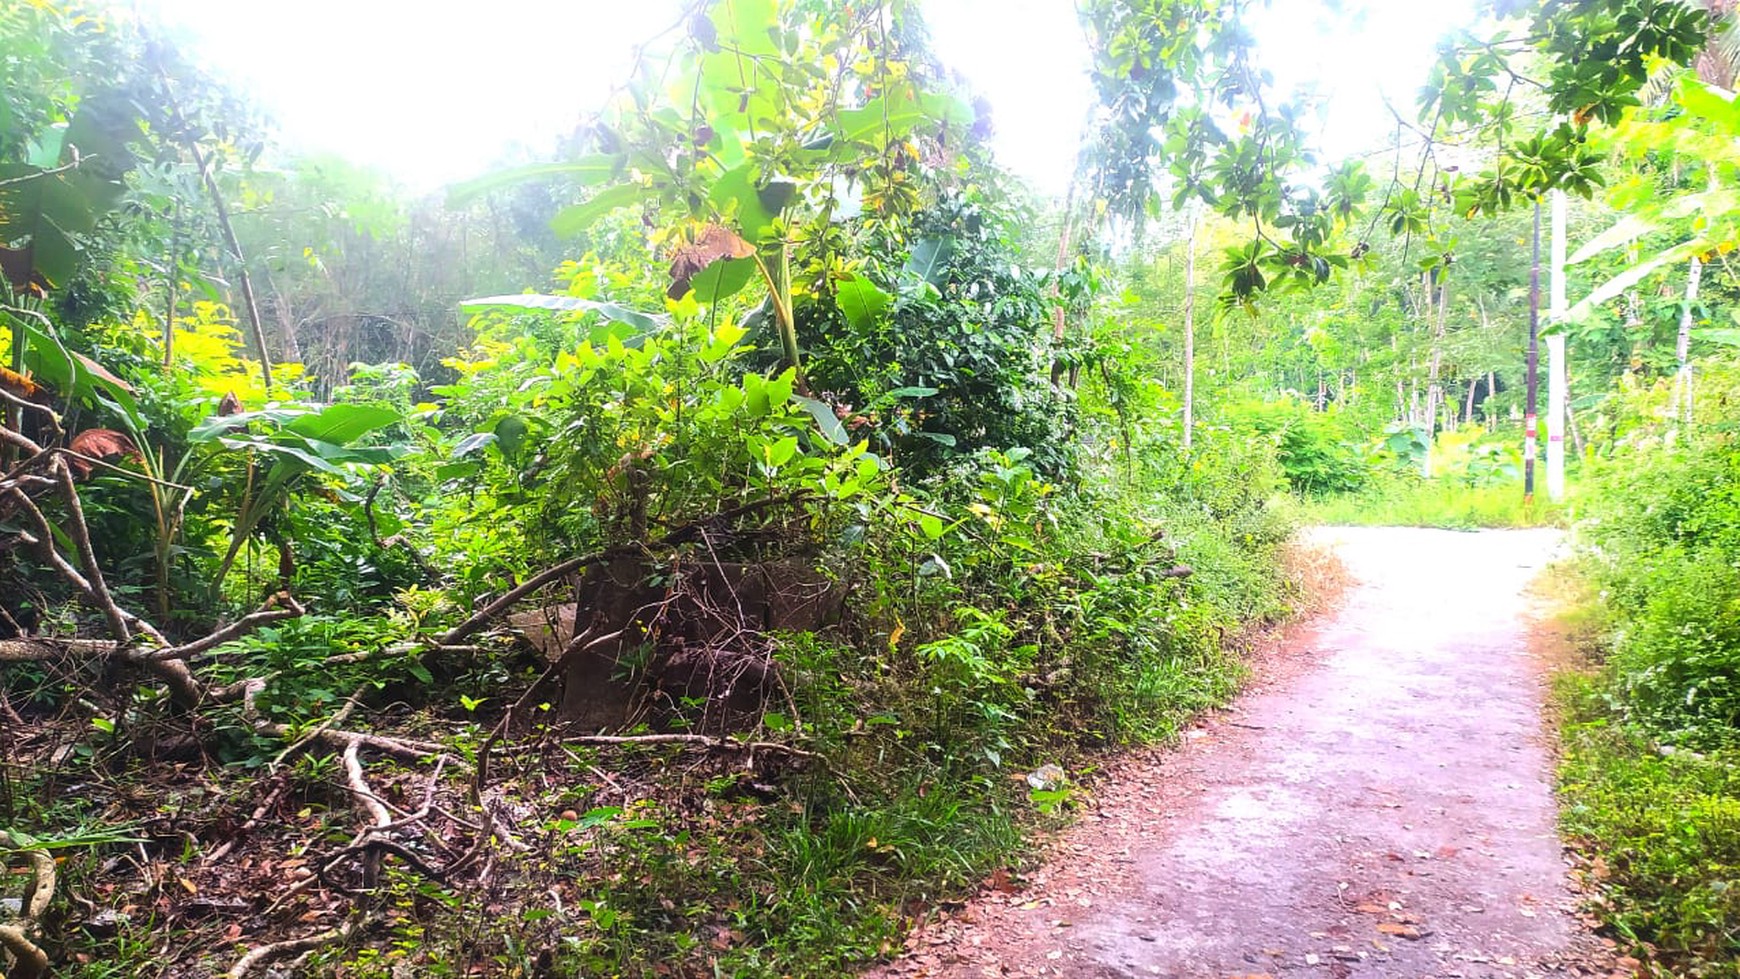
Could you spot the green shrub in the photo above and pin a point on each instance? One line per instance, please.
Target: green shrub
(1664, 529)
(1313, 448)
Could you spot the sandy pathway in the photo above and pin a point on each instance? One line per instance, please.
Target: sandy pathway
(1380, 805)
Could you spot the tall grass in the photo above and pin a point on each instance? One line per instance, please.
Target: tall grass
(1410, 502)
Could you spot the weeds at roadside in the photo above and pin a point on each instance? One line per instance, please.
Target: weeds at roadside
(1655, 828)
(1405, 501)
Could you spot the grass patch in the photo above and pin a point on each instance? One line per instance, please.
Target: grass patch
(1661, 834)
(1411, 502)
(1656, 827)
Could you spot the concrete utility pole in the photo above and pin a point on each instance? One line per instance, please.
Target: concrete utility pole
(1556, 371)
(1530, 430)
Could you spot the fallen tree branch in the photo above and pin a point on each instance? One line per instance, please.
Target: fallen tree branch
(338, 717)
(277, 950)
(373, 806)
(80, 532)
(36, 649)
(278, 608)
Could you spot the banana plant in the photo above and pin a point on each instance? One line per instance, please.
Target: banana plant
(287, 444)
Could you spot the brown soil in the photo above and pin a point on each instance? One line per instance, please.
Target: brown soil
(1379, 804)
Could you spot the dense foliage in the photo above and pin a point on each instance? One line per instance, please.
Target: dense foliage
(774, 410)
(1651, 775)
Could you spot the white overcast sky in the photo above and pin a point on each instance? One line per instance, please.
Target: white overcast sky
(434, 92)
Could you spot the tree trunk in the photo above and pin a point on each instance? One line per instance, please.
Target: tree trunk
(1057, 318)
(1435, 391)
(1190, 330)
(1682, 399)
(235, 249)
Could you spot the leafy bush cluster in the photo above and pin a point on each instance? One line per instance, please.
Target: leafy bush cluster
(1316, 451)
(1651, 777)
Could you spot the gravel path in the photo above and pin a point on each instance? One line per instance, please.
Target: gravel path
(1379, 804)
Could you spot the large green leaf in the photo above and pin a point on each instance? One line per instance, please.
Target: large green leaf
(1623, 232)
(215, 426)
(861, 301)
(737, 194)
(826, 419)
(564, 304)
(1709, 102)
(293, 459)
(588, 171)
(894, 115)
(75, 376)
(722, 279)
(928, 261)
(1632, 276)
(48, 205)
(342, 424)
(743, 28)
(570, 221)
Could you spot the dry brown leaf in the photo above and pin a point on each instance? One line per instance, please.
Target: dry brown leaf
(100, 443)
(1398, 929)
(713, 243)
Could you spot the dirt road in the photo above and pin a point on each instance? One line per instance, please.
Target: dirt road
(1378, 805)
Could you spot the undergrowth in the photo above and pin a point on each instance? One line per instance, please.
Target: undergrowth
(1660, 829)
(1407, 501)
(1650, 775)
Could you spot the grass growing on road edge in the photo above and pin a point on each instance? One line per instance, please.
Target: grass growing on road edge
(1406, 501)
(1656, 827)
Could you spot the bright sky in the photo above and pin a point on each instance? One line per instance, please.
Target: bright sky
(437, 92)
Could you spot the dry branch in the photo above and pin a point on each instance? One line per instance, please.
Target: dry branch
(36, 649)
(278, 608)
(277, 950)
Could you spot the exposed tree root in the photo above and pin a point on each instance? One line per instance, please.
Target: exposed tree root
(277, 950)
(28, 961)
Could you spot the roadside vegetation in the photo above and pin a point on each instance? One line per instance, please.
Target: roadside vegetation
(709, 549)
(1651, 771)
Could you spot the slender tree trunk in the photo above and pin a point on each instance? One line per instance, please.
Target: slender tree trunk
(1468, 409)
(1190, 330)
(235, 248)
(1057, 318)
(1531, 379)
(1434, 390)
(1682, 399)
(1491, 392)
(174, 281)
